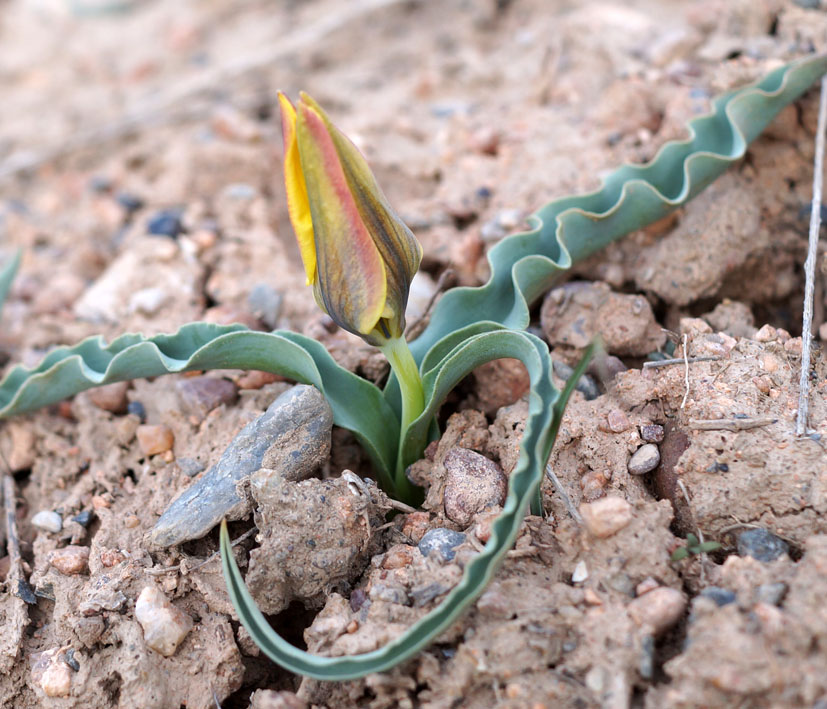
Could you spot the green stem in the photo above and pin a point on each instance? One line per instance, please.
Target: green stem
(413, 402)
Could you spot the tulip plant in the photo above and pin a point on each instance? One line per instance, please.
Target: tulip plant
(359, 258)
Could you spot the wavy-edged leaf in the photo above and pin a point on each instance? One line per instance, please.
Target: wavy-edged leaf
(567, 230)
(524, 482)
(7, 274)
(357, 404)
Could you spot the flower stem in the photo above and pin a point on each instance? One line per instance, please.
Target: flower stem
(413, 401)
(410, 383)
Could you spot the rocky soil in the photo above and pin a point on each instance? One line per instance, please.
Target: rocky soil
(139, 173)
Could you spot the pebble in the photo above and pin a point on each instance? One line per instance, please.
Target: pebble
(48, 521)
(658, 610)
(617, 421)
(164, 625)
(472, 484)
(70, 560)
(154, 439)
(111, 557)
(606, 516)
(166, 222)
(575, 313)
(136, 408)
(606, 367)
(586, 385)
(200, 395)
(652, 433)
(83, 518)
(721, 596)
(265, 303)
(291, 437)
(761, 545)
(129, 202)
(767, 333)
(147, 301)
(581, 572)
(397, 557)
(88, 630)
(772, 593)
(644, 459)
(110, 397)
(441, 542)
(52, 674)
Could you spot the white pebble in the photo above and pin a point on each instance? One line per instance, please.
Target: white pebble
(164, 625)
(581, 572)
(48, 521)
(644, 459)
(147, 301)
(56, 680)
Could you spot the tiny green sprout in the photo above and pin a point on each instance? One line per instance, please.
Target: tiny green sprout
(694, 546)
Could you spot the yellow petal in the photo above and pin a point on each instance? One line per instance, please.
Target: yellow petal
(350, 272)
(297, 203)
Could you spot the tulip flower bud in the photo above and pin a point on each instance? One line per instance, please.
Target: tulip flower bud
(358, 254)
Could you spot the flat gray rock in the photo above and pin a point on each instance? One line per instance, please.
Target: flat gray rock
(291, 439)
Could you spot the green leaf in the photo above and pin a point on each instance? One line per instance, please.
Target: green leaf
(544, 413)
(691, 540)
(357, 404)
(708, 546)
(7, 274)
(567, 230)
(680, 553)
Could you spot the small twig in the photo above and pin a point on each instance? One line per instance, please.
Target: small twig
(561, 491)
(680, 360)
(729, 424)
(211, 557)
(686, 369)
(16, 578)
(810, 267)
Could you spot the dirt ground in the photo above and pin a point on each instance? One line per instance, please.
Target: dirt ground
(125, 117)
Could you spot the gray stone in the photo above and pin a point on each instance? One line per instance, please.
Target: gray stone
(265, 303)
(652, 433)
(441, 543)
(644, 460)
(761, 545)
(772, 593)
(48, 521)
(292, 436)
(586, 385)
(721, 596)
